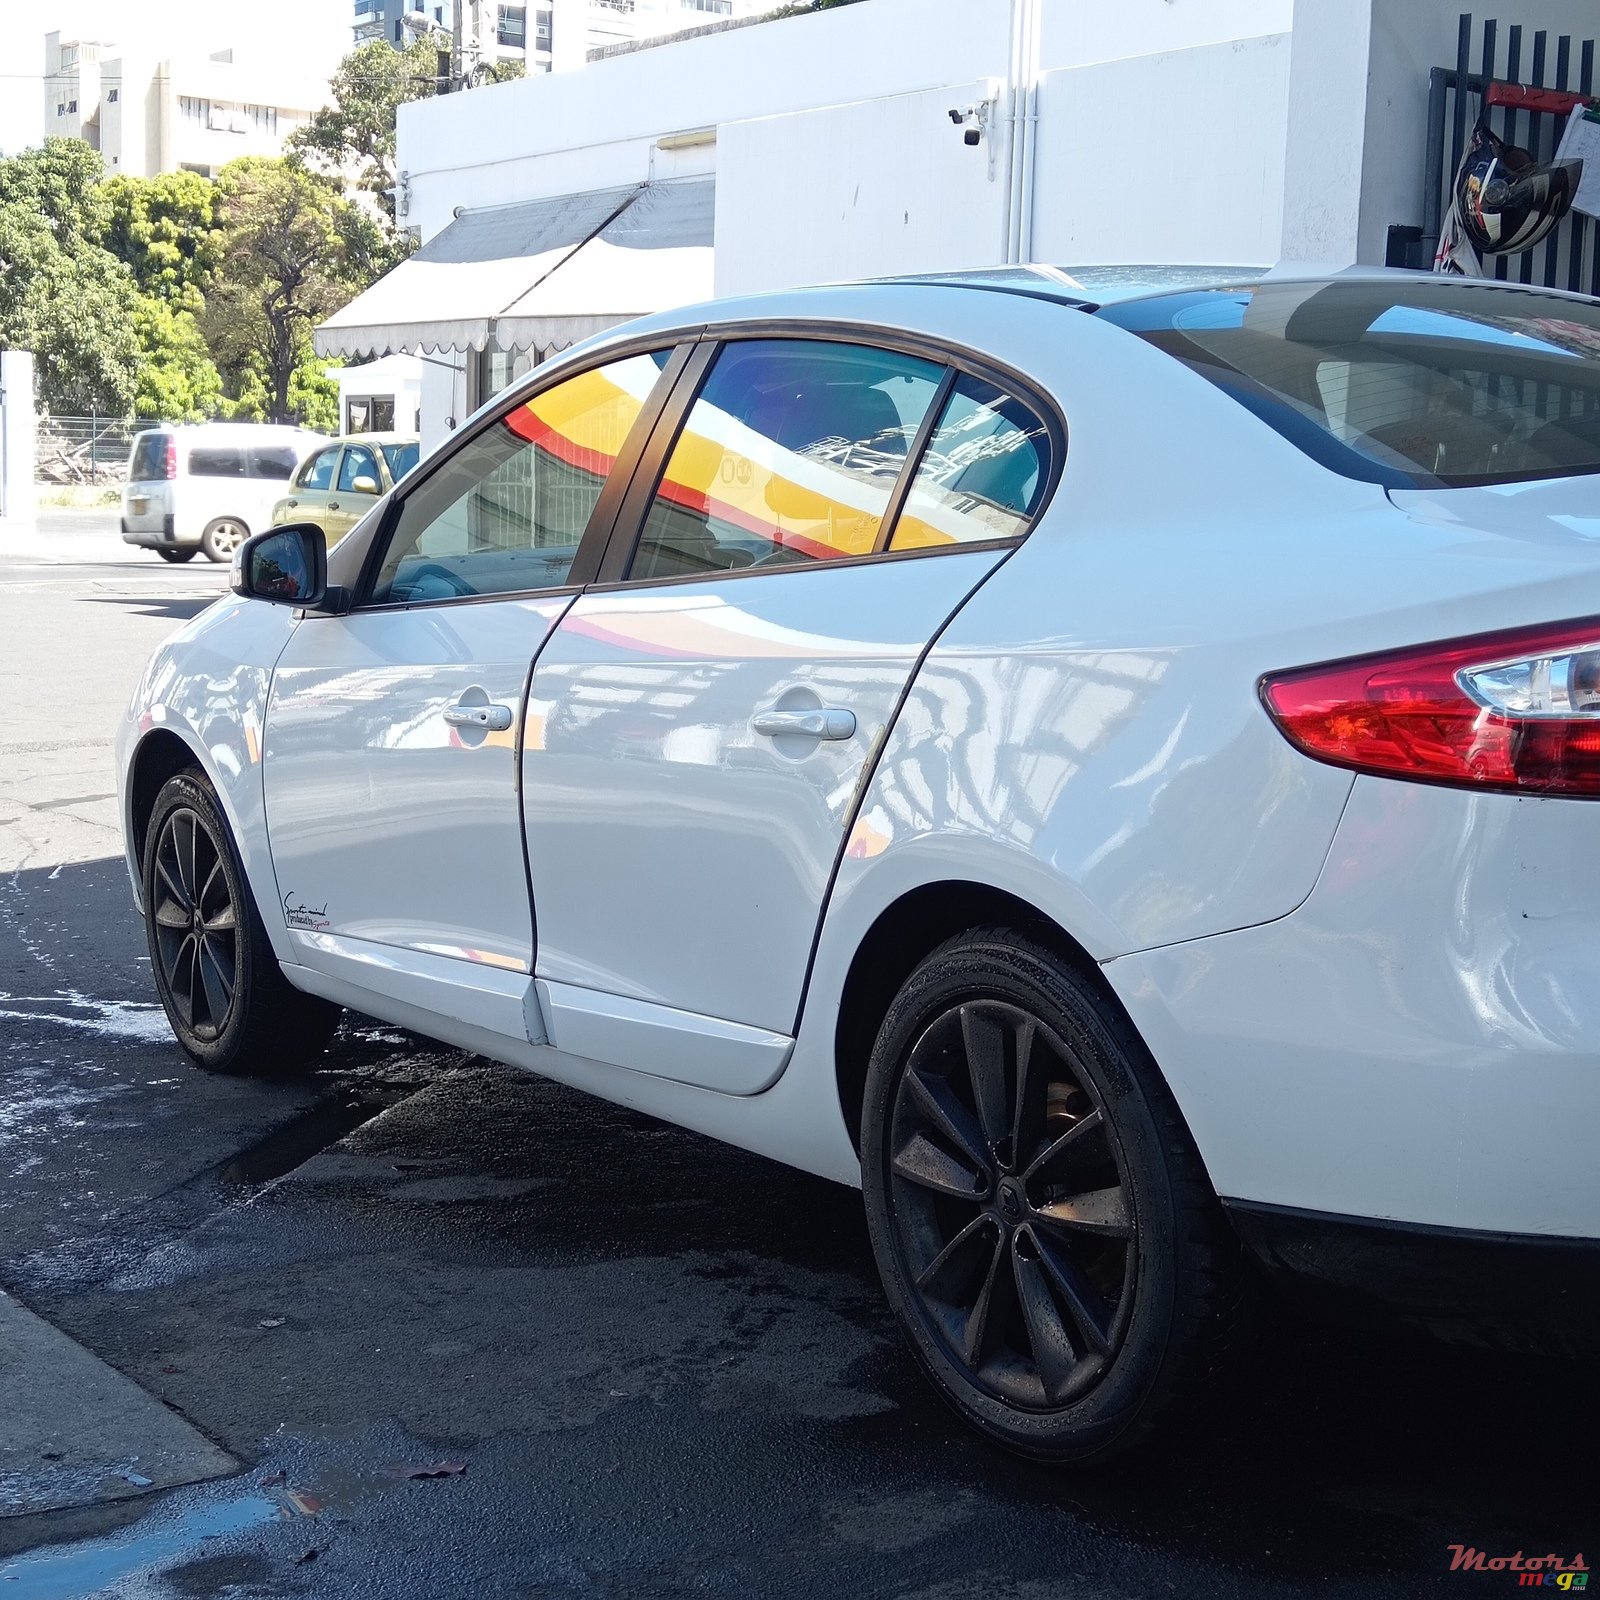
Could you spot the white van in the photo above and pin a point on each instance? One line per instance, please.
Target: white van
(208, 487)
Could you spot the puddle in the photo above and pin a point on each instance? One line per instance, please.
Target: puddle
(69, 1571)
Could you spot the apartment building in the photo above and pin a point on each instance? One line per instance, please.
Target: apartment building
(549, 35)
(148, 113)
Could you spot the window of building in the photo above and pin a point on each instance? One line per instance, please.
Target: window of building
(541, 29)
(983, 474)
(789, 454)
(512, 29)
(113, 95)
(193, 109)
(263, 118)
(72, 105)
(369, 413)
(499, 369)
(507, 512)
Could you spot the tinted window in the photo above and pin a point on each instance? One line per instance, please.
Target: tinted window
(984, 472)
(273, 461)
(359, 462)
(318, 471)
(789, 454)
(149, 457)
(507, 511)
(1409, 382)
(401, 458)
(217, 461)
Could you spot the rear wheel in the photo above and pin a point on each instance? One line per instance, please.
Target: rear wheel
(222, 537)
(1045, 1231)
(175, 555)
(224, 993)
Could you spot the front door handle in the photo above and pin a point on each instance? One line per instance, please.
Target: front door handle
(495, 718)
(333, 505)
(827, 722)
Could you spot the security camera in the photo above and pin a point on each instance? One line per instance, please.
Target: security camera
(957, 115)
(972, 136)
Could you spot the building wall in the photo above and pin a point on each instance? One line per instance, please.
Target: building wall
(1175, 156)
(798, 203)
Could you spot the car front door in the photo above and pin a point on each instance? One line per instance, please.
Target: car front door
(392, 732)
(699, 728)
(356, 487)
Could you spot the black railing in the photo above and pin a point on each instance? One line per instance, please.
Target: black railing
(1528, 110)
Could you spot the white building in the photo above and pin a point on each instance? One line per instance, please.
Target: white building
(1225, 131)
(148, 113)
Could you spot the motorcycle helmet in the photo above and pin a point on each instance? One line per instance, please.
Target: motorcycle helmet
(1505, 201)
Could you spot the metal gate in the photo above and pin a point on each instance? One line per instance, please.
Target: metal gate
(1526, 85)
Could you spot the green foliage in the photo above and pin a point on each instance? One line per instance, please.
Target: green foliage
(62, 295)
(166, 229)
(177, 379)
(293, 251)
(313, 395)
(356, 131)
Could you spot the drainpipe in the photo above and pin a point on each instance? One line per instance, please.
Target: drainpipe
(1022, 118)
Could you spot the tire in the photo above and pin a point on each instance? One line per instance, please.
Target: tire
(222, 537)
(175, 555)
(225, 995)
(1076, 1211)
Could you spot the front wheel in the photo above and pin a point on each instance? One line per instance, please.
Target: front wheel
(224, 993)
(1046, 1233)
(222, 537)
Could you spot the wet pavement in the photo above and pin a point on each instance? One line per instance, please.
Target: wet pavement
(632, 1362)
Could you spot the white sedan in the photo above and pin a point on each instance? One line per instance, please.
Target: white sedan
(1102, 763)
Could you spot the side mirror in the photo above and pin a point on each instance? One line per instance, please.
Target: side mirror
(366, 485)
(286, 565)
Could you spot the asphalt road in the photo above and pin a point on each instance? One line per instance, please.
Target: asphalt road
(661, 1367)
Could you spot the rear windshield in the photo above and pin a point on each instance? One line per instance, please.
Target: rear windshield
(1408, 382)
(401, 458)
(149, 457)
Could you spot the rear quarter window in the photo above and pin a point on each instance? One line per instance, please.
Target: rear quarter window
(217, 461)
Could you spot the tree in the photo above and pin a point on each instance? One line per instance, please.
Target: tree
(62, 295)
(177, 380)
(166, 229)
(356, 131)
(293, 251)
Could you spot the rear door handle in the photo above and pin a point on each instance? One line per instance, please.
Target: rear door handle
(495, 718)
(827, 722)
(333, 505)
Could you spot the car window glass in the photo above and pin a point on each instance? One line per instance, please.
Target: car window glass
(982, 475)
(789, 454)
(359, 462)
(273, 461)
(318, 472)
(401, 458)
(507, 511)
(216, 461)
(149, 457)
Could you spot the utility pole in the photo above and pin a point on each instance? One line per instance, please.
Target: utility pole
(457, 40)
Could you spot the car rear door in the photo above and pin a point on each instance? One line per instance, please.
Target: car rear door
(702, 721)
(312, 486)
(392, 732)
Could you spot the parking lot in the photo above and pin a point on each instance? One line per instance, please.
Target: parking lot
(422, 1325)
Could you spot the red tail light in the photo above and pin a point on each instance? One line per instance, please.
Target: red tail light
(172, 457)
(1517, 711)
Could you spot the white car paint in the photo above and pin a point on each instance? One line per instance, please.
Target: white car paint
(1309, 956)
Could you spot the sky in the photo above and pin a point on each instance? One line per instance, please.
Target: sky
(275, 29)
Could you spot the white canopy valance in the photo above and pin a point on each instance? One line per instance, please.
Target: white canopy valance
(541, 274)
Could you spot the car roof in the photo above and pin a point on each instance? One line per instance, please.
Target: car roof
(232, 430)
(376, 438)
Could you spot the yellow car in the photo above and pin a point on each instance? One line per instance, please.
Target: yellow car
(337, 487)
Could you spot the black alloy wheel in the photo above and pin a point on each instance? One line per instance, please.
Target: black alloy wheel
(1012, 1205)
(196, 924)
(225, 995)
(1046, 1233)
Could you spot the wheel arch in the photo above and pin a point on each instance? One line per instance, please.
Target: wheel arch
(906, 931)
(160, 755)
